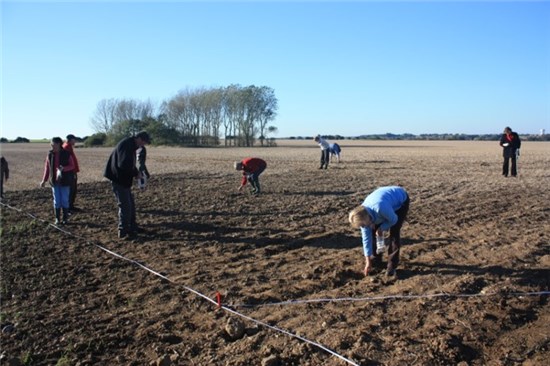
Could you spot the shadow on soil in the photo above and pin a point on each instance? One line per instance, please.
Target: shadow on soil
(538, 277)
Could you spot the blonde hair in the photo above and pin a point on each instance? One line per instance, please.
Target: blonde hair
(358, 216)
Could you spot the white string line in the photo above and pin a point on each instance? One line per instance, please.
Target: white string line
(227, 309)
(292, 335)
(390, 297)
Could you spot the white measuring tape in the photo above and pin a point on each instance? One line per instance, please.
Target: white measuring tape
(218, 304)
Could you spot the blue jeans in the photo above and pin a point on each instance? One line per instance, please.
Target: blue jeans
(126, 208)
(61, 196)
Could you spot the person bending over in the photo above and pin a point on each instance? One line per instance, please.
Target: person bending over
(384, 209)
(251, 168)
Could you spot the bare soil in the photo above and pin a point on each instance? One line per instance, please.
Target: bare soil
(475, 248)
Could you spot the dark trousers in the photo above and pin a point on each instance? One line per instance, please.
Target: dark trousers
(254, 179)
(72, 194)
(395, 237)
(506, 165)
(325, 156)
(126, 208)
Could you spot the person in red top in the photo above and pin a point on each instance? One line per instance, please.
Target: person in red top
(251, 168)
(69, 146)
(58, 171)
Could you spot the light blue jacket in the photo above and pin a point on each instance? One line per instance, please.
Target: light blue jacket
(381, 205)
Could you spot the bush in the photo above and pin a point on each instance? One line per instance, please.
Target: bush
(21, 139)
(97, 139)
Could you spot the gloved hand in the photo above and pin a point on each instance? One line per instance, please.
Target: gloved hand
(517, 152)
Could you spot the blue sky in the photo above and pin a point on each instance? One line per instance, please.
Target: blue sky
(348, 68)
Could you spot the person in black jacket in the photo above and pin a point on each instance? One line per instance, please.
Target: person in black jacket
(59, 172)
(510, 143)
(121, 170)
(4, 174)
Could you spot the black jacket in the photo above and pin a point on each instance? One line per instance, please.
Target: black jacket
(513, 144)
(4, 169)
(121, 166)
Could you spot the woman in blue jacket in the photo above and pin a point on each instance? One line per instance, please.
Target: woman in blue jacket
(384, 209)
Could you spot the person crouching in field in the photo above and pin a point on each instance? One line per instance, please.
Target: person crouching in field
(121, 170)
(325, 151)
(384, 209)
(335, 151)
(251, 168)
(59, 171)
(510, 143)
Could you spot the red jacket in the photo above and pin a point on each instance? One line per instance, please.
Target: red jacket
(69, 148)
(251, 166)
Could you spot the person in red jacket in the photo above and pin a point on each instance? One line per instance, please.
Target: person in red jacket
(251, 168)
(69, 146)
(58, 171)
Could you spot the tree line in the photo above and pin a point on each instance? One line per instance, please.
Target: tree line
(193, 117)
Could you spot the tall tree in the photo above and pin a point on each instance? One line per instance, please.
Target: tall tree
(103, 118)
(267, 110)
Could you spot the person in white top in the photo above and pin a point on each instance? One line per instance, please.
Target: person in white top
(325, 151)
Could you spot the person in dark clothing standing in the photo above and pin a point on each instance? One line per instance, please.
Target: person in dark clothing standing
(510, 143)
(4, 174)
(58, 171)
(121, 170)
(69, 146)
(251, 168)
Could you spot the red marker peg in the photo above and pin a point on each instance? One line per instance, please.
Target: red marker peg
(219, 299)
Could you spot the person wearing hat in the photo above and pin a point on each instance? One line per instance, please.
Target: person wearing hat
(121, 170)
(251, 168)
(510, 143)
(69, 146)
(384, 209)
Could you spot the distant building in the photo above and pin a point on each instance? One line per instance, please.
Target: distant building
(542, 131)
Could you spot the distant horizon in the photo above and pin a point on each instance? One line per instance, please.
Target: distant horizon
(46, 139)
